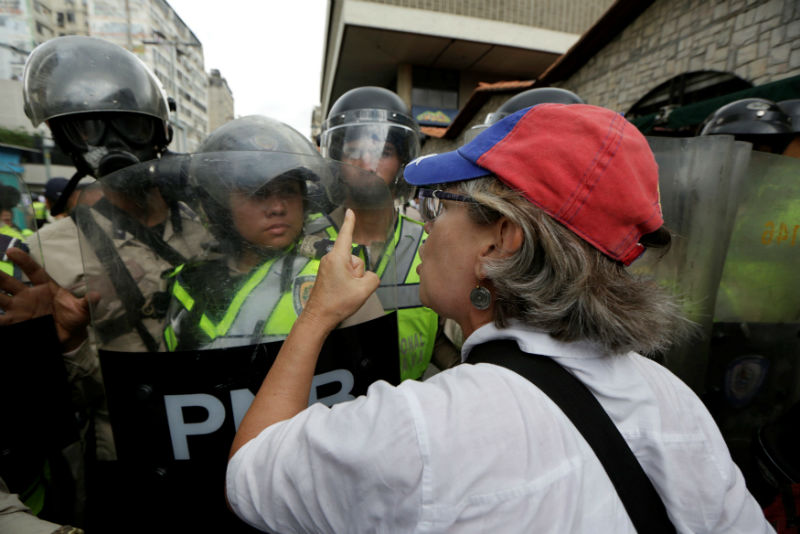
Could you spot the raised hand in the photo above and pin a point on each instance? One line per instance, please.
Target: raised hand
(343, 284)
(22, 302)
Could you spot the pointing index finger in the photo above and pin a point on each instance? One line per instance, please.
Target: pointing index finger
(344, 241)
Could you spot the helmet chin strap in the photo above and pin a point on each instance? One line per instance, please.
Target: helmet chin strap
(101, 161)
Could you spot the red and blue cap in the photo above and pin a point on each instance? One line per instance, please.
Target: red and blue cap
(585, 166)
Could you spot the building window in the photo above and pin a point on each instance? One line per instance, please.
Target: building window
(70, 17)
(60, 19)
(41, 8)
(434, 96)
(41, 29)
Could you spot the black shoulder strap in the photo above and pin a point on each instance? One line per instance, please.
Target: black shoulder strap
(140, 232)
(641, 501)
(124, 284)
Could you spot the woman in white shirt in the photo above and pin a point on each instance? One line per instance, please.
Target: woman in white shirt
(532, 226)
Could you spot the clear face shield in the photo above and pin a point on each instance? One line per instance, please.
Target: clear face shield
(374, 140)
(214, 266)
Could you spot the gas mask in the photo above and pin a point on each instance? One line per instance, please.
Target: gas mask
(108, 142)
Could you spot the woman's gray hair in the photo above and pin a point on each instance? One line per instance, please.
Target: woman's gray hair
(559, 283)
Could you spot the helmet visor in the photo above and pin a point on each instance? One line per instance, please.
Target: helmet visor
(377, 141)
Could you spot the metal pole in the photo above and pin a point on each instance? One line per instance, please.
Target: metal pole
(47, 144)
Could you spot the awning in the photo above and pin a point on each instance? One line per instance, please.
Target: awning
(692, 115)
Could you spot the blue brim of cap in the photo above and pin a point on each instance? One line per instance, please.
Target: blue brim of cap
(442, 168)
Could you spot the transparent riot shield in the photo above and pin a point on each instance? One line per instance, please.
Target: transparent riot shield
(218, 315)
(134, 227)
(699, 181)
(754, 371)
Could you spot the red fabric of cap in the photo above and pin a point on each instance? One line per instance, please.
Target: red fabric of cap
(588, 168)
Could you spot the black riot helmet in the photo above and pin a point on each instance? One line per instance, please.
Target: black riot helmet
(526, 99)
(792, 109)
(105, 108)
(255, 155)
(755, 120)
(531, 97)
(371, 128)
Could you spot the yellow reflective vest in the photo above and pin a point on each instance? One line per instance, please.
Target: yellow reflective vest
(399, 290)
(259, 309)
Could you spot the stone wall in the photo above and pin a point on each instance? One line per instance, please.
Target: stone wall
(758, 40)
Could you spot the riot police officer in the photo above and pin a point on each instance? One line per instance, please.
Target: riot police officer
(108, 111)
(525, 99)
(371, 128)
(10, 236)
(253, 177)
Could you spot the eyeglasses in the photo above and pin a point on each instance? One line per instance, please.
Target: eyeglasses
(430, 202)
(83, 131)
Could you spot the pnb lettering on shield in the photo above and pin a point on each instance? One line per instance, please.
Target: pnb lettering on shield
(180, 429)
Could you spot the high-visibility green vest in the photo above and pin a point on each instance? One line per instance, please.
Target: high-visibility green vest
(11, 232)
(399, 290)
(318, 223)
(259, 311)
(40, 210)
(6, 265)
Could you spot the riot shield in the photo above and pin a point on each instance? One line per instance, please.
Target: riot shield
(754, 372)
(220, 315)
(134, 227)
(699, 181)
(38, 416)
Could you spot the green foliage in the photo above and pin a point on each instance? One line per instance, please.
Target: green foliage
(18, 137)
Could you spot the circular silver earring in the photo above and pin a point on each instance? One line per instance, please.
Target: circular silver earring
(480, 297)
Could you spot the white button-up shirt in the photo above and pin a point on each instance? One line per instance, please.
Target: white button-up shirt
(478, 448)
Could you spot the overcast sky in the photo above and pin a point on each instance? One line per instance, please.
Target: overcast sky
(269, 51)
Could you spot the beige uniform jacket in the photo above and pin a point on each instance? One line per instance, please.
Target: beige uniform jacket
(16, 518)
(69, 259)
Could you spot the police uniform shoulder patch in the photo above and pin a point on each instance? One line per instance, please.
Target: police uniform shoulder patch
(301, 291)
